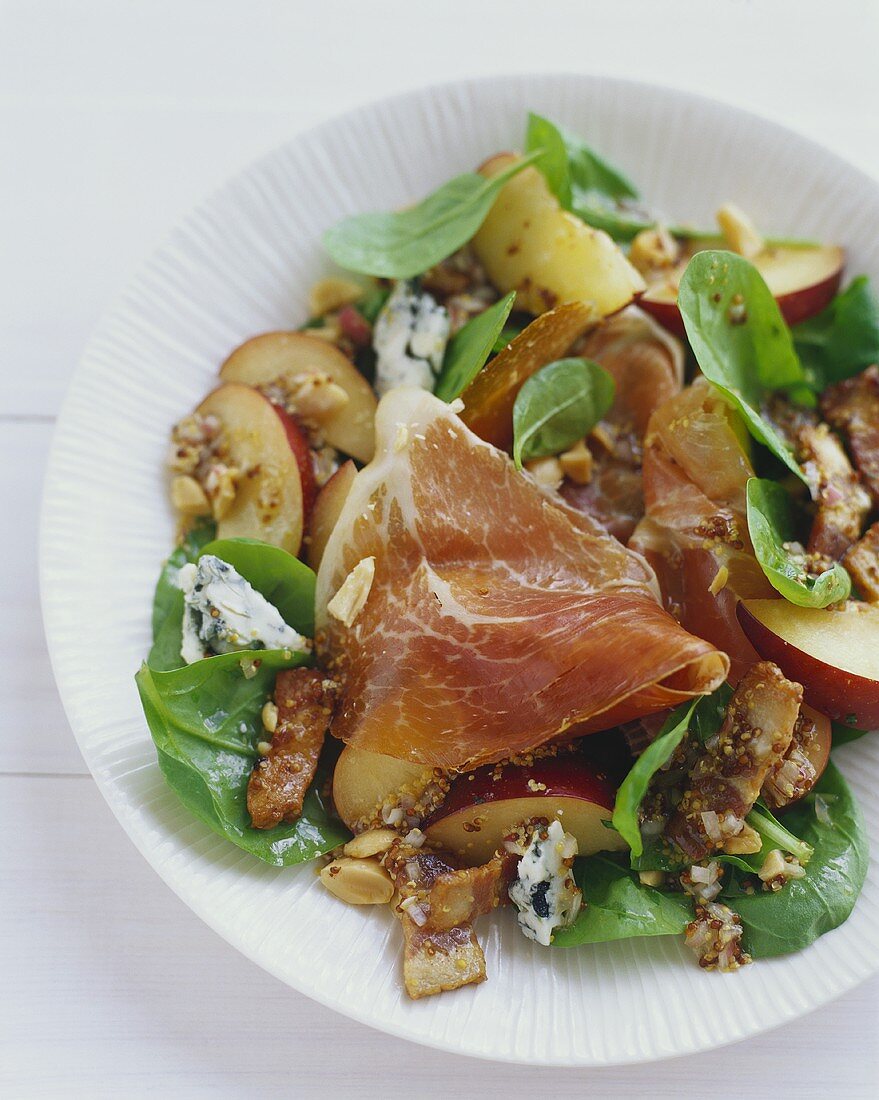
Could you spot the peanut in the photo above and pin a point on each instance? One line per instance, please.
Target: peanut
(374, 842)
(546, 471)
(188, 497)
(577, 463)
(358, 881)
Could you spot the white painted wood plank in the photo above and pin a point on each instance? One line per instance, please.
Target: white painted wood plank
(112, 987)
(34, 734)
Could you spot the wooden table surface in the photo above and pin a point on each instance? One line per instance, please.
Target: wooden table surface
(114, 119)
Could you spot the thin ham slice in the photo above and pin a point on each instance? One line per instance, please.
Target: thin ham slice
(497, 617)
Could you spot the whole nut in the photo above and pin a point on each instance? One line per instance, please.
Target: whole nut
(188, 497)
(374, 842)
(358, 881)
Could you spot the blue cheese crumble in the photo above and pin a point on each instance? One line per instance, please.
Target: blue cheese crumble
(545, 893)
(409, 339)
(223, 613)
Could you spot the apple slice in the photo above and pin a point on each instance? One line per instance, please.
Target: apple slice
(803, 281)
(279, 357)
(363, 781)
(327, 508)
(298, 441)
(529, 244)
(833, 654)
(482, 807)
(268, 503)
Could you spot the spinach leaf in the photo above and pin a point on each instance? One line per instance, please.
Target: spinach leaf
(631, 791)
(584, 183)
(843, 735)
(285, 581)
(557, 406)
(205, 722)
(398, 245)
(168, 599)
(841, 340)
(710, 712)
(281, 578)
(370, 305)
(740, 340)
(772, 527)
(617, 906)
(470, 347)
(806, 908)
(775, 835)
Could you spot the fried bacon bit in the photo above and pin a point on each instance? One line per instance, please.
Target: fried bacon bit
(792, 776)
(716, 936)
(862, 562)
(843, 505)
(852, 407)
(304, 698)
(437, 962)
(726, 778)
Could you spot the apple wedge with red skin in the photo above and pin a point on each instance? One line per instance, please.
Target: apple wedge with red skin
(326, 511)
(266, 446)
(298, 440)
(833, 654)
(484, 806)
(804, 280)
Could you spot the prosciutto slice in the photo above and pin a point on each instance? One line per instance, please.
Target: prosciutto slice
(496, 616)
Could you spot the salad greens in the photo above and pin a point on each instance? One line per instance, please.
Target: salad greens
(617, 906)
(168, 599)
(741, 341)
(584, 183)
(806, 908)
(841, 340)
(558, 405)
(205, 722)
(401, 244)
(470, 348)
(844, 735)
(772, 529)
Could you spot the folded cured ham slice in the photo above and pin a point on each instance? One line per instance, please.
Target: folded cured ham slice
(695, 532)
(493, 617)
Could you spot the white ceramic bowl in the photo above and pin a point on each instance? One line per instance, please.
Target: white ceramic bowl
(241, 264)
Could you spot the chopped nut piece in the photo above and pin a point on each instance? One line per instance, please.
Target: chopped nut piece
(577, 463)
(746, 843)
(188, 497)
(739, 231)
(351, 597)
(331, 294)
(719, 582)
(358, 881)
(270, 717)
(315, 396)
(778, 868)
(654, 248)
(374, 842)
(221, 485)
(546, 471)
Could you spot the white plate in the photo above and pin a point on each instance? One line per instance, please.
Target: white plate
(242, 263)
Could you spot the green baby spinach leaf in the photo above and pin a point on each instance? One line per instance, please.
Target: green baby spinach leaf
(710, 712)
(740, 340)
(617, 906)
(584, 183)
(404, 243)
(205, 722)
(775, 835)
(844, 735)
(631, 791)
(841, 340)
(772, 527)
(804, 909)
(557, 406)
(469, 349)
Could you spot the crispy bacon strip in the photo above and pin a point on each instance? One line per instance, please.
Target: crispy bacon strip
(280, 779)
(852, 407)
(862, 562)
(843, 505)
(727, 777)
(792, 776)
(497, 618)
(437, 962)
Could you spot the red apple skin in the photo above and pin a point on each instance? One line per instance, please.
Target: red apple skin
(571, 782)
(298, 441)
(327, 509)
(841, 695)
